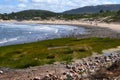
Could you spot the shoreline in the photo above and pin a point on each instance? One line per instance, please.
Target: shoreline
(96, 29)
(91, 30)
(112, 26)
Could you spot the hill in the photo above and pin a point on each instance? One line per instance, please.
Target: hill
(94, 9)
(29, 14)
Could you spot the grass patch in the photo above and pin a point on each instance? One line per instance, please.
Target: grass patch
(38, 53)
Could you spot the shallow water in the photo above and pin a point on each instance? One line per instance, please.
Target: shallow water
(17, 33)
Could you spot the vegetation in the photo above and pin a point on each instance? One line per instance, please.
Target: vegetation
(50, 51)
(28, 15)
(116, 17)
(47, 15)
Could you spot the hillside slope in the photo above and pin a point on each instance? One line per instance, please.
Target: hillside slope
(94, 9)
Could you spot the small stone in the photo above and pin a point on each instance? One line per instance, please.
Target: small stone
(1, 72)
(64, 73)
(36, 78)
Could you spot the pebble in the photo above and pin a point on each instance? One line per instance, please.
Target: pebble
(85, 67)
(37, 78)
(1, 72)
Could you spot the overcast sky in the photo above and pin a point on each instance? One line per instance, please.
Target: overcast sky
(7, 6)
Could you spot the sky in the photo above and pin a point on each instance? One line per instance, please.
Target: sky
(8, 6)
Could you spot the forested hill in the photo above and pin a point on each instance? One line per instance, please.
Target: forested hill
(94, 9)
(29, 14)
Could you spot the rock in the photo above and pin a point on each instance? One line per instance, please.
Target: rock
(37, 78)
(1, 72)
(68, 66)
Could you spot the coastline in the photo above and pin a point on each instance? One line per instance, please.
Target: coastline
(94, 29)
(113, 26)
(91, 30)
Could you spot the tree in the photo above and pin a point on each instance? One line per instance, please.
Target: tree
(108, 11)
(101, 11)
(118, 13)
(5, 16)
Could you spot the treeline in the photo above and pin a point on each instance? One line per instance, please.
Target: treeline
(47, 15)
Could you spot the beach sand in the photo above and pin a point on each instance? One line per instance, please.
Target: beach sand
(113, 26)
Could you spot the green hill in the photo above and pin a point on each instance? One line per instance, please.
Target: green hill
(94, 9)
(29, 14)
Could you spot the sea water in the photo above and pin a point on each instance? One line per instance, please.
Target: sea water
(19, 33)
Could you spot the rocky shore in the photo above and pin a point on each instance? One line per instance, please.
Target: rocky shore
(84, 69)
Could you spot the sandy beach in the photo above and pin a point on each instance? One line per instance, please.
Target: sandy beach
(113, 26)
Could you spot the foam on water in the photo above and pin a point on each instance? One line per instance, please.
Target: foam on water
(7, 40)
